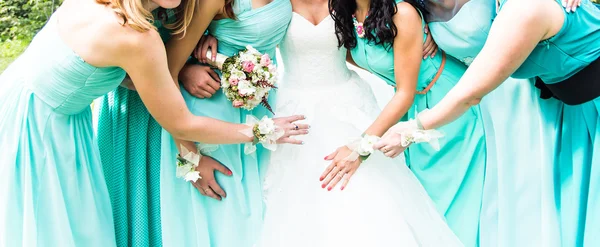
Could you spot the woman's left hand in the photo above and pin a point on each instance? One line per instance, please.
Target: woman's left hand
(571, 5)
(340, 169)
(429, 47)
(390, 144)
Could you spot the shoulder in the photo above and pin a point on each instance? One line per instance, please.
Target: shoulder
(407, 13)
(127, 44)
(407, 19)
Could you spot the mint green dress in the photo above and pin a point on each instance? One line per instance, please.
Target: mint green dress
(521, 136)
(52, 187)
(577, 174)
(129, 141)
(453, 176)
(189, 218)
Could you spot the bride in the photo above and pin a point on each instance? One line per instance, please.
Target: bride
(384, 204)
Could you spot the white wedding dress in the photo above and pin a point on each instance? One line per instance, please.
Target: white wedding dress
(383, 205)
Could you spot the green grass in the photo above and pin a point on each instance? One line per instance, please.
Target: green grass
(10, 50)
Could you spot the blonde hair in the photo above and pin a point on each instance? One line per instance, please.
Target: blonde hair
(137, 17)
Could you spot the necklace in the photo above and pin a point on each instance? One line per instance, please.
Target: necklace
(360, 29)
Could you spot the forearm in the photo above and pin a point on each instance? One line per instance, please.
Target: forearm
(392, 113)
(210, 131)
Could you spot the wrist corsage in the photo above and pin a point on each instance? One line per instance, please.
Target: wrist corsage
(362, 147)
(412, 132)
(188, 161)
(264, 131)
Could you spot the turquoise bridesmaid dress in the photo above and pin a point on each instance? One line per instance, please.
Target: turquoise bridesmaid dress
(577, 176)
(129, 142)
(52, 187)
(189, 218)
(453, 176)
(521, 136)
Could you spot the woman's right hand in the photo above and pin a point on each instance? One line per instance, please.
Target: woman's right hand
(206, 42)
(208, 185)
(199, 80)
(291, 128)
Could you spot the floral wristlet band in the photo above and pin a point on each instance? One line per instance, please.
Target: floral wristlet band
(188, 161)
(362, 147)
(264, 131)
(413, 132)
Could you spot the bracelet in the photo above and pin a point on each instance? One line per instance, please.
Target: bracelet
(186, 165)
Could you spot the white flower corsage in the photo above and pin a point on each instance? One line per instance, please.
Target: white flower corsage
(362, 147)
(264, 131)
(413, 132)
(188, 161)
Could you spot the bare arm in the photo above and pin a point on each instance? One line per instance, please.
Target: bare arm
(180, 48)
(408, 54)
(144, 61)
(500, 57)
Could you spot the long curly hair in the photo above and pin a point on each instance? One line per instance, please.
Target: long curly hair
(379, 25)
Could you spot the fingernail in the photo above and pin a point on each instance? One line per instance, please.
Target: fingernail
(343, 187)
(321, 178)
(325, 157)
(433, 55)
(302, 143)
(424, 57)
(308, 127)
(230, 173)
(323, 186)
(329, 189)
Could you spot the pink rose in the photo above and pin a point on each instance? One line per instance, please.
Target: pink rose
(233, 81)
(272, 68)
(248, 66)
(265, 60)
(238, 103)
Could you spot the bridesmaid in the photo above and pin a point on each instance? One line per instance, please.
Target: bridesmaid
(189, 218)
(454, 182)
(51, 180)
(524, 154)
(129, 141)
(562, 50)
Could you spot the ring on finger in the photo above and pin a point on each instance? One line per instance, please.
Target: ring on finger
(296, 127)
(206, 190)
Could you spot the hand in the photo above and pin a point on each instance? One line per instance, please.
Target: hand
(207, 185)
(291, 128)
(206, 42)
(339, 169)
(571, 5)
(199, 80)
(430, 47)
(390, 145)
(127, 83)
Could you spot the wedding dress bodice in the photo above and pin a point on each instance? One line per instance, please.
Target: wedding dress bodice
(311, 55)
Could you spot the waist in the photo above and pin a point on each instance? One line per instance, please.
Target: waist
(582, 87)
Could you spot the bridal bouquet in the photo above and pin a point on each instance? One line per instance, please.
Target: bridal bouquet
(247, 77)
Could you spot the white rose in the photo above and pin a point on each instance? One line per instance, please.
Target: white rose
(366, 145)
(192, 176)
(246, 88)
(266, 126)
(181, 171)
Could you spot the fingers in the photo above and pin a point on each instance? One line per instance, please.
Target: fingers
(337, 178)
(332, 155)
(197, 185)
(337, 168)
(204, 50)
(215, 187)
(200, 93)
(295, 118)
(216, 77)
(296, 132)
(214, 50)
(210, 193)
(327, 170)
(347, 179)
(571, 5)
(289, 140)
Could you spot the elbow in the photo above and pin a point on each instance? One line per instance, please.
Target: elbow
(474, 102)
(179, 130)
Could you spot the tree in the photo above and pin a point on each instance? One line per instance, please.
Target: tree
(22, 19)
